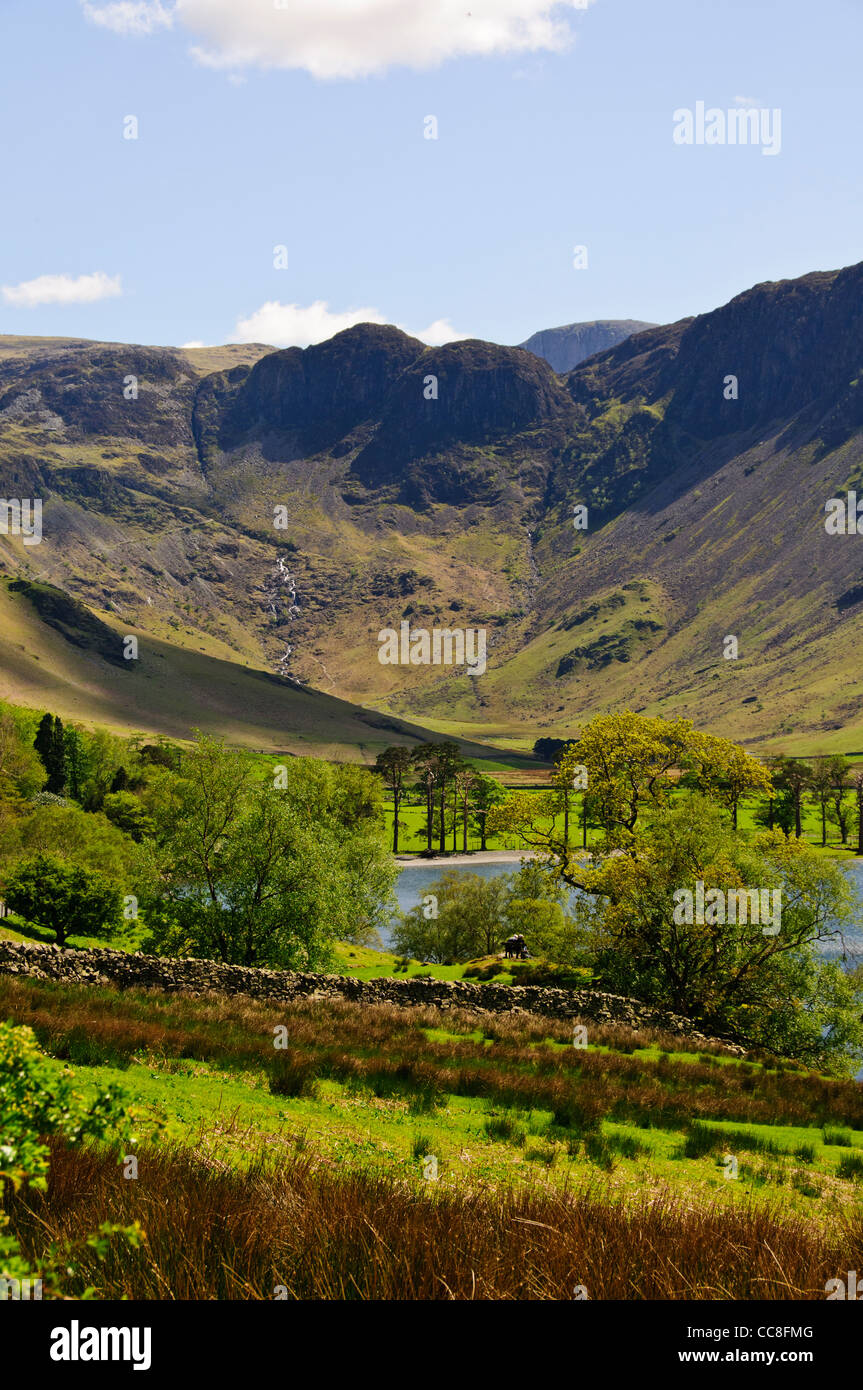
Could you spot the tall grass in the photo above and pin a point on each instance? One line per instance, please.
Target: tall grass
(387, 1050)
(215, 1233)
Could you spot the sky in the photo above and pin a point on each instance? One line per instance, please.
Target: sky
(303, 124)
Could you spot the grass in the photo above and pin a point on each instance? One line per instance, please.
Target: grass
(291, 1227)
(354, 1079)
(308, 1167)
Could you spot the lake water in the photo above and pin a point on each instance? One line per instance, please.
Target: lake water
(415, 880)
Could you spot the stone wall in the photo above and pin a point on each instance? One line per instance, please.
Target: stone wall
(196, 977)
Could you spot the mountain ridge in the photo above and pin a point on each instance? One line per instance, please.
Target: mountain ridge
(438, 486)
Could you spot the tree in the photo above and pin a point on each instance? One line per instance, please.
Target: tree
(821, 788)
(255, 874)
(105, 754)
(769, 987)
(840, 784)
(792, 775)
(20, 769)
(448, 762)
(466, 783)
(534, 908)
(73, 748)
(468, 920)
(857, 784)
(425, 759)
(393, 765)
(51, 747)
(727, 773)
(84, 838)
(128, 814)
(486, 793)
(633, 763)
(65, 898)
(549, 749)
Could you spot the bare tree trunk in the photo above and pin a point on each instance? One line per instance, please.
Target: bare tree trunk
(442, 827)
(429, 813)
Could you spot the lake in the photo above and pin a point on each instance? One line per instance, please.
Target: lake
(415, 879)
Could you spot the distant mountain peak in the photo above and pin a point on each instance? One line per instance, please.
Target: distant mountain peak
(563, 348)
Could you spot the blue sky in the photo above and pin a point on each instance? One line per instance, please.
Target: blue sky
(555, 129)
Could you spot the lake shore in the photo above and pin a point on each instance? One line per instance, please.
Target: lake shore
(489, 856)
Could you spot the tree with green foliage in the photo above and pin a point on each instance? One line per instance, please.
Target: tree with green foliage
(50, 744)
(821, 790)
(485, 793)
(256, 870)
(770, 986)
(448, 764)
(857, 786)
(394, 765)
(774, 989)
(104, 755)
(840, 785)
(21, 770)
(793, 777)
(64, 898)
(127, 812)
(464, 919)
(76, 761)
(549, 749)
(86, 838)
(425, 759)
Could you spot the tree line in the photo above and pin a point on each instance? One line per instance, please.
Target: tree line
(455, 794)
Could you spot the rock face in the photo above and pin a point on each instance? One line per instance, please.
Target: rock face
(316, 395)
(196, 977)
(481, 393)
(563, 348)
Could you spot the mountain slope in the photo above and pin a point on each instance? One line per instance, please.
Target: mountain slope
(56, 654)
(283, 512)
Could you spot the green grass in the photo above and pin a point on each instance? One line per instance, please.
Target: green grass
(475, 1142)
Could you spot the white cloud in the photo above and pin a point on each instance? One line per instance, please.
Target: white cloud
(438, 333)
(62, 289)
(292, 325)
(348, 38)
(295, 325)
(195, 344)
(129, 16)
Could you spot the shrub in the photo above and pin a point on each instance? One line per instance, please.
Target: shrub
(36, 1103)
(506, 1129)
(851, 1166)
(599, 1151)
(293, 1076)
(831, 1134)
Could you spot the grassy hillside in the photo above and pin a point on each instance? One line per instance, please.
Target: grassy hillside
(71, 669)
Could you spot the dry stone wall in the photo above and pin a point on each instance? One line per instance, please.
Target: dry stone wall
(196, 977)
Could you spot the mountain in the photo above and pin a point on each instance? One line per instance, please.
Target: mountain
(437, 486)
(564, 348)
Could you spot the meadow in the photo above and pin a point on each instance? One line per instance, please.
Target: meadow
(438, 1153)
